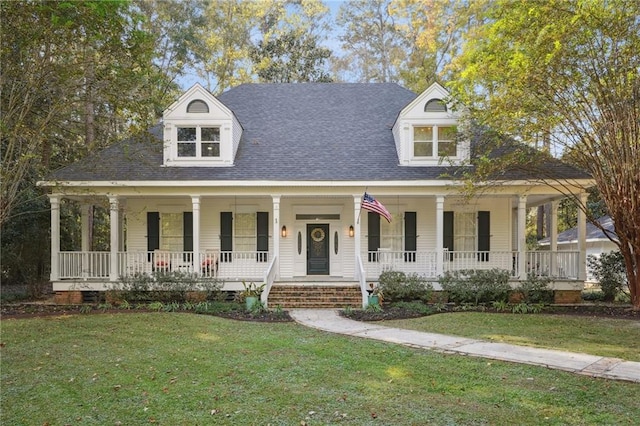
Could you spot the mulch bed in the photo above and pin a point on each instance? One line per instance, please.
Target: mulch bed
(30, 310)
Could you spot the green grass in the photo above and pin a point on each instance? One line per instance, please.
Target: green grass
(617, 338)
(187, 369)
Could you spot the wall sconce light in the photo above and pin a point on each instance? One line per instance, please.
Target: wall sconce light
(284, 231)
(351, 231)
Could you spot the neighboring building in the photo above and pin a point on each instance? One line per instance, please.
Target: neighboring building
(596, 241)
(265, 183)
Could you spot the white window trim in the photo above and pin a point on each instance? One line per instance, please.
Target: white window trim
(171, 142)
(433, 159)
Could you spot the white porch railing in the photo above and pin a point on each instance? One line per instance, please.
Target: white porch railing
(409, 262)
(84, 265)
(457, 260)
(554, 264)
(253, 265)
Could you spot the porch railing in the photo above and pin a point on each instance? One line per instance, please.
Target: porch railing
(253, 265)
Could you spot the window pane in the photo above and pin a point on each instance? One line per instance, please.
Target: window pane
(423, 134)
(465, 231)
(391, 233)
(447, 133)
(447, 149)
(187, 149)
(186, 134)
(245, 231)
(423, 149)
(171, 232)
(210, 149)
(210, 134)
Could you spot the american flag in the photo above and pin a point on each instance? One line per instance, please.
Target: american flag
(373, 205)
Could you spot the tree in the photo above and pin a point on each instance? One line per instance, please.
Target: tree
(289, 49)
(76, 76)
(374, 47)
(433, 31)
(568, 71)
(290, 58)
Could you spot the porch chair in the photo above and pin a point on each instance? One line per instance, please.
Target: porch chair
(210, 263)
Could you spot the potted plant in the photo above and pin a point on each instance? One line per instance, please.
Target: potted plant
(375, 295)
(251, 294)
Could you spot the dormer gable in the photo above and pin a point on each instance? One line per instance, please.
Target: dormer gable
(426, 131)
(199, 130)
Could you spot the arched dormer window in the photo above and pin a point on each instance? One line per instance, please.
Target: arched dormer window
(198, 106)
(435, 105)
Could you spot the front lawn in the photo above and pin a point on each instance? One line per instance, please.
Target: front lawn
(616, 338)
(187, 369)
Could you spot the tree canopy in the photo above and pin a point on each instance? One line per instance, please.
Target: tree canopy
(568, 73)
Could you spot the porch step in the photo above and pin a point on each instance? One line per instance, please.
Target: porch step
(315, 295)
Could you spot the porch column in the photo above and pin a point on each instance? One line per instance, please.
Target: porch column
(439, 235)
(114, 234)
(85, 247)
(195, 208)
(357, 237)
(276, 231)
(55, 237)
(553, 238)
(582, 237)
(522, 239)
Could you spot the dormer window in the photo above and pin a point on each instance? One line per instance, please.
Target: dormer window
(434, 141)
(198, 141)
(198, 106)
(435, 105)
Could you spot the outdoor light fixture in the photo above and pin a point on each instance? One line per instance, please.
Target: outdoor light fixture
(351, 231)
(284, 231)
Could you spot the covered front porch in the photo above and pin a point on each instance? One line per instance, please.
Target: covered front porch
(217, 232)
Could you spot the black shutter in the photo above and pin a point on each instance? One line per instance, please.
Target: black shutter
(262, 237)
(226, 236)
(447, 241)
(153, 233)
(410, 236)
(374, 235)
(484, 236)
(187, 235)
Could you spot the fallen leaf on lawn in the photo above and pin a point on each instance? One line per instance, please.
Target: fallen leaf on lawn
(117, 387)
(214, 412)
(374, 416)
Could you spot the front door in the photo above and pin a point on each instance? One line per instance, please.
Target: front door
(318, 249)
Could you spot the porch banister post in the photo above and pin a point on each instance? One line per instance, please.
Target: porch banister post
(357, 239)
(439, 235)
(553, 238)
(276, 231)
(84, 237)
(55, 237)
(522, 239)
(114, 234)
(582, 238)
(195, 208)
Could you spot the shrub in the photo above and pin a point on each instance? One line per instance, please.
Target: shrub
(476, 285)
(397, 286)
(165, 287)
(535, 289)
(609, 270)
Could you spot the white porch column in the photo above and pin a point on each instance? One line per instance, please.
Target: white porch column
(85, 247)
(114, 234)
(55, 236)
(553, 237)
(582, 237)
(195, 208)
(440, 235)
(357, 235)
(522, 238)
(276, 231)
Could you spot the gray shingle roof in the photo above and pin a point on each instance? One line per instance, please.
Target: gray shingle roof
(303, 131)
(593, 232)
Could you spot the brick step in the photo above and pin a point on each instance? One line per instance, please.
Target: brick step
(315, 296)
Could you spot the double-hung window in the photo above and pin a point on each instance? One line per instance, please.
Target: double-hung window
(198, 141)
(434, 141)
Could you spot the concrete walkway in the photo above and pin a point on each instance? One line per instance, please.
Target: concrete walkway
(589, 365)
